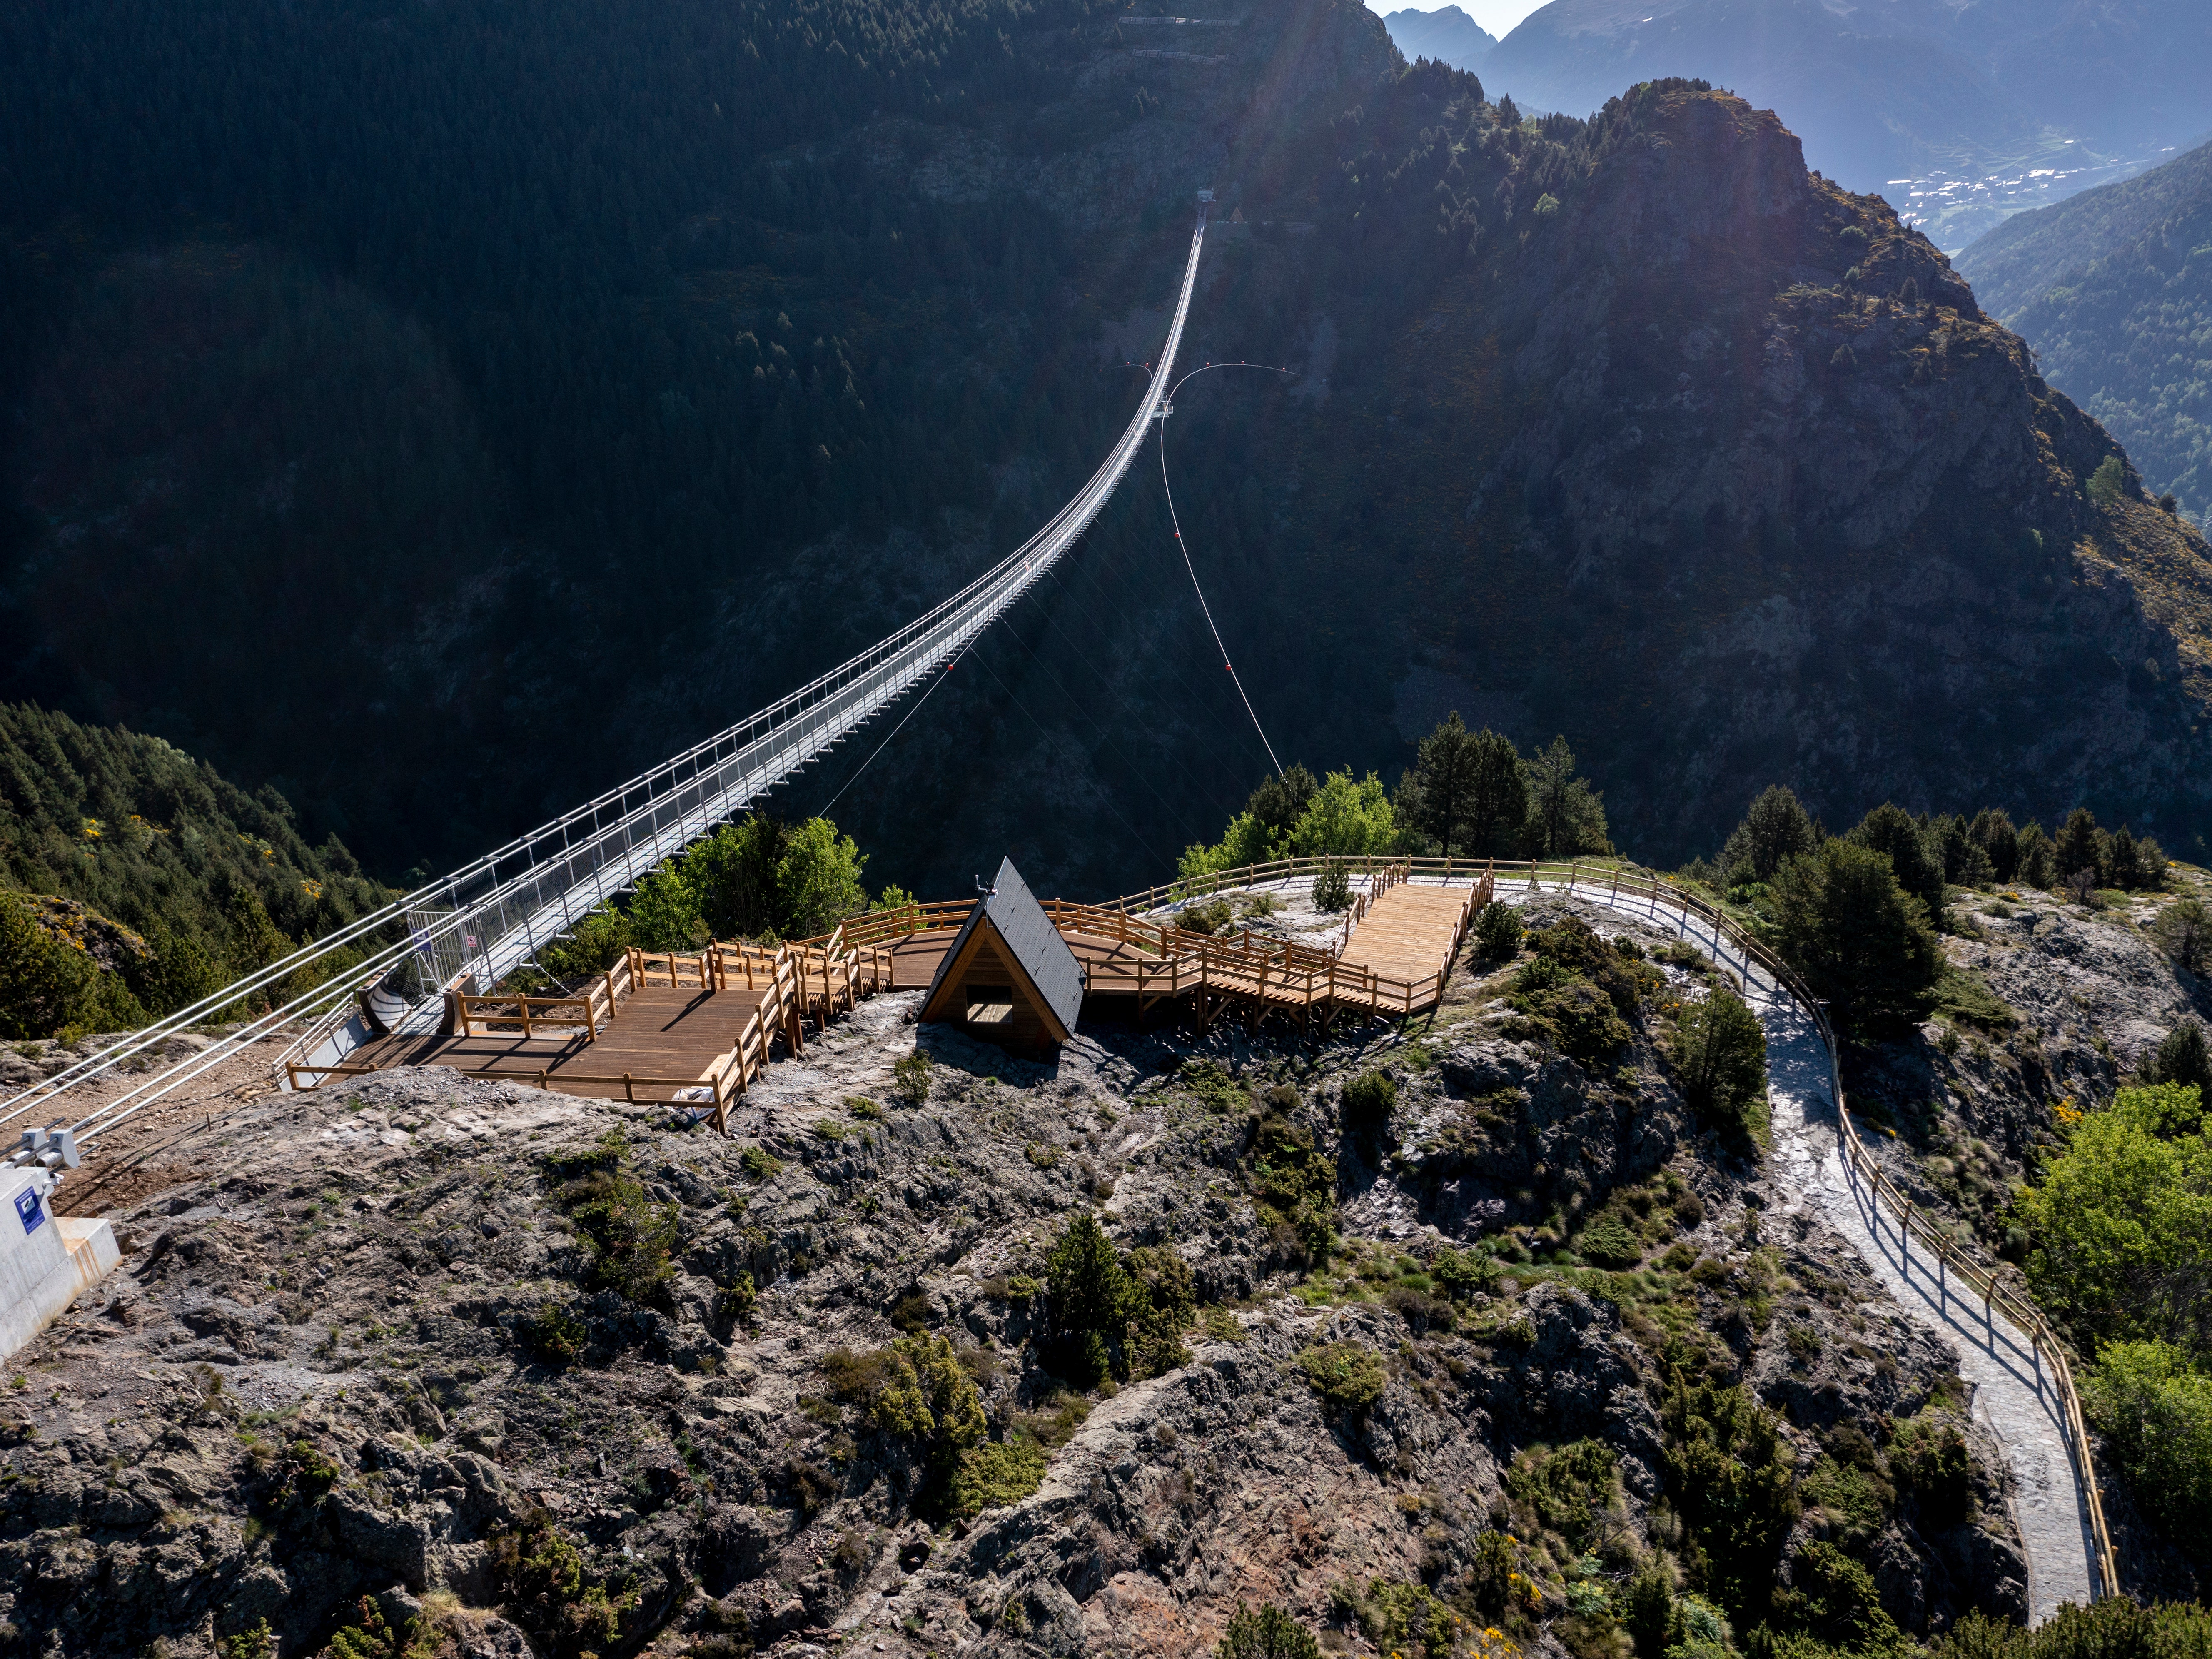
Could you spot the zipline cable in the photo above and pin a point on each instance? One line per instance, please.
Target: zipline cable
(1168, 403)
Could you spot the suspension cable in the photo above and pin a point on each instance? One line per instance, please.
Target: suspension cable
(1184, 549)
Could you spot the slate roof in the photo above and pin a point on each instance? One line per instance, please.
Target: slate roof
(1031, 938)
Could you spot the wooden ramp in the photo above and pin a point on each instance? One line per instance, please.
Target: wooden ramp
(1410, 933)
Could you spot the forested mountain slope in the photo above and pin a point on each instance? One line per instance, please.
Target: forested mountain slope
(502, 467)
(134, 880)
(2113, 289)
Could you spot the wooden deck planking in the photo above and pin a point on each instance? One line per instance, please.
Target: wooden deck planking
(655, 1032)
(1409, 932)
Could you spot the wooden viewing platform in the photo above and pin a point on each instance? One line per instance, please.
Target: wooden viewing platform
(698, 1028)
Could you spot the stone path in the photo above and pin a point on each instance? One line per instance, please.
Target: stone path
(2011, 1396)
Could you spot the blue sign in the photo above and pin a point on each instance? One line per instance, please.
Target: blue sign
(26, 1205)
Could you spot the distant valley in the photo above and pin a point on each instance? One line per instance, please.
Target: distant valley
(1959, 114)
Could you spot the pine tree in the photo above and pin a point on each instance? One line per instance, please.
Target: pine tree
(1434, 794)
(2077, 850)
(1993, 832)
(1860, 940)
(1891, 830)
(1776, 827)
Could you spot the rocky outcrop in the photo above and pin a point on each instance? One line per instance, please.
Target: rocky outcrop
(371, 1344)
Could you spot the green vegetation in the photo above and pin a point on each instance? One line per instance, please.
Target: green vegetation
(1861, 941)
(554, 1335)
(994, 1475)
(1720, 1057)
(1469, 795)
(1577, 992)
(757, 879)
(910, 1077)
(1567, 1490)
(1266, 1632)
(2120, 1234)
(629, 1238)
(1293, 1180)
(1108, 1315)
(144, 880)
(541, 1580)
(373, 1638)
(1348, 1376)
(1498, 931)
(2181, 1058)
(2115, 1627)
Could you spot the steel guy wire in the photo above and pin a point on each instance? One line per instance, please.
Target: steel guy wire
(1168, 403)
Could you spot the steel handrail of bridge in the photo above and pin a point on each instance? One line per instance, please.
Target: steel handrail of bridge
(488, 917)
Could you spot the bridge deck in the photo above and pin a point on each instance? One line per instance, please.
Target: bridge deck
(656, 1032)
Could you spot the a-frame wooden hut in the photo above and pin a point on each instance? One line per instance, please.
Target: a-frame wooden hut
(1009, 978)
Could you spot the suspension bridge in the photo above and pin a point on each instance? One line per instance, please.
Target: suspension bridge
(390, 972)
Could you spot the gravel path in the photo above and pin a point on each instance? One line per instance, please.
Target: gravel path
(2011, 1396)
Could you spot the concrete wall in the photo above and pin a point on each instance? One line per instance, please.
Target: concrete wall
(45, 1260)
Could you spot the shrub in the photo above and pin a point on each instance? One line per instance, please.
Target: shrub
(1209, 918)
(1609, 1242)
(1368, 1100)
(1209, 1079)
(257, 1641)
(2109, 482)
(1733, 1482)
(554, 1335)
(1498, 931)
(1294, 1183)
(911, 1077)
(2120, 1223)
(2155, 1409)
(1266, 1632)
(2184, 932)
(1331, 888)
(1349, 1378)
(1461, 1274)
(993, 1475)
(629, 1238)
(1087, 1298)
(1567, 1490)
(760, 1163)
(1931, 1463)
(1720, 1056)
(734, 1301)
(1162, 1299)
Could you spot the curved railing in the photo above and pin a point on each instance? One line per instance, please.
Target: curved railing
(1568, 875)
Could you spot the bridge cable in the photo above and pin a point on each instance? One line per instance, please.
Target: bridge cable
(1198, 700)
(1184, 549)
(895, 730)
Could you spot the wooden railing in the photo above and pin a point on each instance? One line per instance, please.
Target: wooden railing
(591, 1008)
(2049, 1350)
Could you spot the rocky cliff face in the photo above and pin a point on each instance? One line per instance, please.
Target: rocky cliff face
(364, 1344)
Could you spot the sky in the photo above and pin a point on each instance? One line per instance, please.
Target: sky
(1498, 16)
